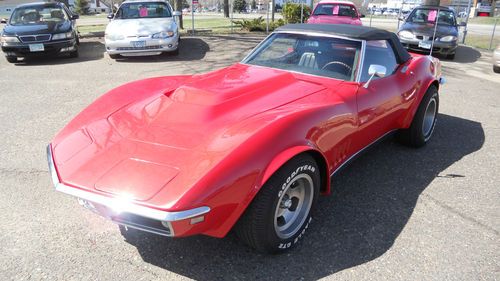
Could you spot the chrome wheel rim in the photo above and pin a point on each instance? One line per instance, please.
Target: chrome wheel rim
(429, 117)
(293, 206)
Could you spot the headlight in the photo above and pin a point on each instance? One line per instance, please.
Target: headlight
(60, 36)
(9, 39)
(405, 34)
(448, 38)
(163, 34)
(114, 37)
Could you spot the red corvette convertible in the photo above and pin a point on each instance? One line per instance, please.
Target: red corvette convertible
(249, 147)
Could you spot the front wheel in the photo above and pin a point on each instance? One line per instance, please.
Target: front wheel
(424, 121)
(11, 59)
(281, 212)
(114, 57)
(450, 56)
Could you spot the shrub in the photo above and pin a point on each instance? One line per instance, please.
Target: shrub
(291, 12)
(258, 24)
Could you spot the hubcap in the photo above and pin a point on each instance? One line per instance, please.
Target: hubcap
(293, 206)
(429, 118)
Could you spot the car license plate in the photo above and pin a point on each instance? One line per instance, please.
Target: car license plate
(424, 45)
(36, 48)
(139, 44)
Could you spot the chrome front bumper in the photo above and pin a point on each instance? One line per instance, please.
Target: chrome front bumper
(124, 212)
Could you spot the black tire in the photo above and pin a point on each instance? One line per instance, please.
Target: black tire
(419, 133)
(114, 57)
(176, 52)
(450, 56)
(11, 59)
(496, 69)
(263, 225)
(74, 54)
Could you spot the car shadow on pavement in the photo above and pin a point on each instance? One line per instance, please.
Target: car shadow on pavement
(88, 51)
(189, 49)
(465, 54)
(374, 199)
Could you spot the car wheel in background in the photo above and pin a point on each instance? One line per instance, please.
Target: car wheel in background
(280, 213)
(424, 121)
(114, 56)
(73, 54)
(11, 59)
(450, 56)
(496, 69)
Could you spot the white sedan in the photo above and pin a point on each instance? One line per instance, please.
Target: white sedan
(141, 28)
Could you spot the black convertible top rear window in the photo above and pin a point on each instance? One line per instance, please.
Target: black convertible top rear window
(355, 32)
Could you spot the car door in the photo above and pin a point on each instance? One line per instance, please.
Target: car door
(383, 101)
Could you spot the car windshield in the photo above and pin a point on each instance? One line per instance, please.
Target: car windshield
(136, 10)
(37, 15)
(431, 15)
(335, 10)
(316, 55)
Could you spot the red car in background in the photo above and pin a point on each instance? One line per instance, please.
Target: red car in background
(249, 147)
(335, 12)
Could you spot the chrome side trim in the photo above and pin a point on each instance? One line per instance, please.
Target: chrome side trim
(361, 151)
(121, 204)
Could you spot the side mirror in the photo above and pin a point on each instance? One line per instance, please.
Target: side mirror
(176, 14)
(75, 17)
(110, 16)
(375, 70)
(3, 21)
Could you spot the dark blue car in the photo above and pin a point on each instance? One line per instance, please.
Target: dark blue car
(40, 29)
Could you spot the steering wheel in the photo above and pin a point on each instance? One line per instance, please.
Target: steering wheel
(346, 67)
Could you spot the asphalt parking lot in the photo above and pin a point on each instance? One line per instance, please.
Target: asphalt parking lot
(398, 214)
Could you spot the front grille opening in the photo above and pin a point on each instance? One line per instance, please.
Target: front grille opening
(142, 223)
(154, 47)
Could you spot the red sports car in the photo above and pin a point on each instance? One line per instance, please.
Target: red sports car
(335, 12)
(249, 147)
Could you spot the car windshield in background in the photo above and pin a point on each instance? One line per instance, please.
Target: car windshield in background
(431, 15)
(335, 10)
(37, 15)
(316, 55)
(139, 10)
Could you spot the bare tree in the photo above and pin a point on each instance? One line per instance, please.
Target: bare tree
(226, 8)
(178, 7)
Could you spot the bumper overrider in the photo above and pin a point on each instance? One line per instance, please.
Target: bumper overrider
(130, 214)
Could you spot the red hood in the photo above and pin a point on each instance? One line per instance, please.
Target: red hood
(165, 134)
(334, 20)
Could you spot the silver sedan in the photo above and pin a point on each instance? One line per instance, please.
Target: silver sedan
(141, 28)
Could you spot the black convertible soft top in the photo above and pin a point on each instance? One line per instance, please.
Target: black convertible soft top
(352, 31)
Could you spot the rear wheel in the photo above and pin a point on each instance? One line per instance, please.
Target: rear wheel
(11, 59)
(424, 121)
(281, 212)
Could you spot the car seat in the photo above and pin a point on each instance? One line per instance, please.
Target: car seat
(308, 60)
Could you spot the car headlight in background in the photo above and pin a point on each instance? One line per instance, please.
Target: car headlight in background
(9, 39)
(114, 37)
(60, 36)
(405, 34)
(448, 38)
(163, 34)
